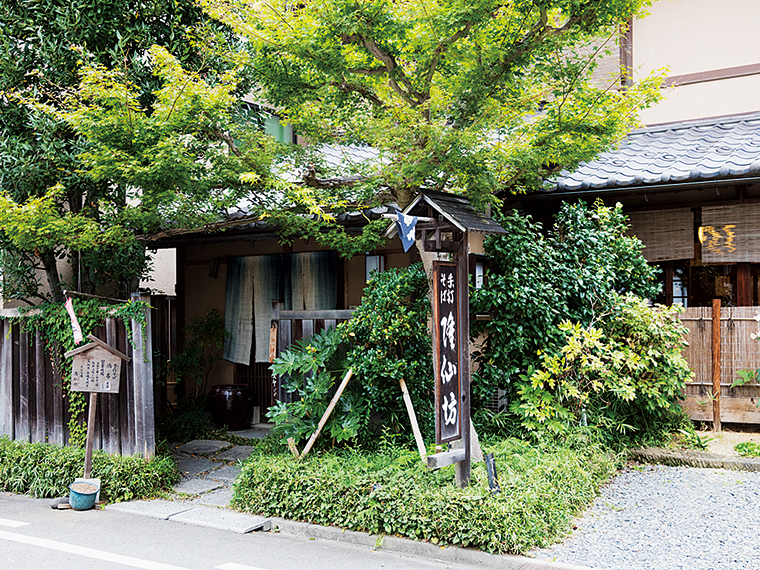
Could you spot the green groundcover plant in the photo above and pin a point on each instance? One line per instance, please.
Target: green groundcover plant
(391, 493)
(46, 470)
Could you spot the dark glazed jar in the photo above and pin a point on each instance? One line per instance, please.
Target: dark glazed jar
(230, 405)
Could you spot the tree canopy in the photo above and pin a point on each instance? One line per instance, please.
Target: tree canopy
(471, 96)
(53, 207)
(123, 120)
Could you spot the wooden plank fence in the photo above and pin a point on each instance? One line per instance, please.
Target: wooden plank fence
(33, 404)
(737, 351)
(289, 327)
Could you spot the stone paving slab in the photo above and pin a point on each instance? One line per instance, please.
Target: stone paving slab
(203, 446)
(197, 486)
(236, 453)
(226, 474)
(191, 466)
(156, 509)
(223, 519)
(219, 498)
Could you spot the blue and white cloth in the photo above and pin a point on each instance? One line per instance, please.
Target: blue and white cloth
(406, 225)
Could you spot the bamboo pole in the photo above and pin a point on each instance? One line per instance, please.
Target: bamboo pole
(328, 411)
(716, 364)
(413, 420)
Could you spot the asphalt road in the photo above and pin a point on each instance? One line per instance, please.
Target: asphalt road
(35, 537)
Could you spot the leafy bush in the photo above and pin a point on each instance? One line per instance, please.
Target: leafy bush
(624, 374)
(391, 492)
(385, 340)
(46, 470)
(575, 275)
(311, 369)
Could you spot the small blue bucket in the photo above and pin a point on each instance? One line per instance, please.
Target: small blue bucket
(82, 495)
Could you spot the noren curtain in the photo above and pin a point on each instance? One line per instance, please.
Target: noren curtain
(305, 281)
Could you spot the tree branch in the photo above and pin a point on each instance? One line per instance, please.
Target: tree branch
(360, 90)
(310, 179)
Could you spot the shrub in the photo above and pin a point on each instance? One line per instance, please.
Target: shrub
(391, 492)
(576, 274)
(385, 340)
(624, 374)
(46, 470)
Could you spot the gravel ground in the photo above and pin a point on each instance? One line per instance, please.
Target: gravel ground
(660, 517)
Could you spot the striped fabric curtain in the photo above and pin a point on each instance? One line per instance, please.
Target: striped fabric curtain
(304, 281)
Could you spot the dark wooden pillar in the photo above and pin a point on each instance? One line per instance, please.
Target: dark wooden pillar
(744, 285)
(668, 268)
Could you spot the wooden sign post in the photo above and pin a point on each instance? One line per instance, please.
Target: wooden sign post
(96, 368)
(443, 223)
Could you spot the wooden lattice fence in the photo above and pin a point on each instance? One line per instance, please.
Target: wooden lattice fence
(737, 351)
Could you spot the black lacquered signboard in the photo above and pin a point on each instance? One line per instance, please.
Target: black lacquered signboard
(446, 351)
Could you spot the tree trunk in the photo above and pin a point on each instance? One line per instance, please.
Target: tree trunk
(50, 263)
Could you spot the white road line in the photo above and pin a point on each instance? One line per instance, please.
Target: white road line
(12, 523)
(88, 552)
(233, 566)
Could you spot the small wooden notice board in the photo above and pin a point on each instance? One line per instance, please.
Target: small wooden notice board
(96, 367)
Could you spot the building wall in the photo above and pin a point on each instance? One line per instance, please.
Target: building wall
(699, 37)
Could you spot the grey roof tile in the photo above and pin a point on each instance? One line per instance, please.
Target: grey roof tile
(678, 152)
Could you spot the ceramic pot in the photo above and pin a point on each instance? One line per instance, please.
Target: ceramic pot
(230, 405)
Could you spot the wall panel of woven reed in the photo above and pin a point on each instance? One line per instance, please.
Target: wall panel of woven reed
(730, 233)
(667, 234)
(738, 350)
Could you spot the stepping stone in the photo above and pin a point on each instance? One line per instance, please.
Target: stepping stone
(203, 446)
(219, 498)
(190, 466)
(226, 473)
(156, 509)
(223, 519)
(197, 486)
(236, 453)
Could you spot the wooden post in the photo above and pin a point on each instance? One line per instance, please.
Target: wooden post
(413, 420)
(6, 380)
(40, 425)
(462, 469)
(328, 411)
(716, 364)
(142, 364)
(23, 426)
(90, 434)
(744, 285)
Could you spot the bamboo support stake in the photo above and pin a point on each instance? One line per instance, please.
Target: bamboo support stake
(716, 364)
(328, 411)
(413, 420)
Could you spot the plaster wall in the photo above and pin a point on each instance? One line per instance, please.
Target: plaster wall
(164, 275)
(695, 36)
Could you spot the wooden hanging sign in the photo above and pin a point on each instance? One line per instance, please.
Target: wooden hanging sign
(96, 367)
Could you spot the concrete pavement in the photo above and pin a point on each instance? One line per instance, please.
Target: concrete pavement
(202, 496)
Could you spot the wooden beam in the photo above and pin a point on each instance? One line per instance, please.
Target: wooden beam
(438, 460)
(342, 314)
(328, 411)
(6, 380)
(744, 285)
(413, 420)
(716, 364)
(142, 364)
(90, 434)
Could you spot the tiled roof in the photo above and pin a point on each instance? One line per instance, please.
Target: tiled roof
(684, 152)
